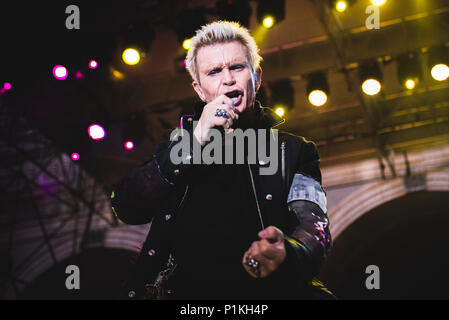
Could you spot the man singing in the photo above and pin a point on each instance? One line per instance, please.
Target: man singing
(224, 230)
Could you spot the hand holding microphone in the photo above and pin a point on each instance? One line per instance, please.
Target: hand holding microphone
(218, 113)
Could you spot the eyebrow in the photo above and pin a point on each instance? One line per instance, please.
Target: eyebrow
(220, 66)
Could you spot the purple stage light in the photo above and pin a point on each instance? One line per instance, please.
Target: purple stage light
(96, 132)
(60, 72)
(7, 86)
(129, 145)
(93, 64)
(79, 75)
(75, 156)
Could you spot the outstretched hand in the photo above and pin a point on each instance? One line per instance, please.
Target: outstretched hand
(269, 252)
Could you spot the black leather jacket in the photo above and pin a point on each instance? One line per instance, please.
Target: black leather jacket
(154, 192)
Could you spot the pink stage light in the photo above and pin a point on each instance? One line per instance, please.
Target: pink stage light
(60, 72)
(75, 156)
(129, 145)
(93, 64)
(7, 86)
(96, 132)
(79, 75)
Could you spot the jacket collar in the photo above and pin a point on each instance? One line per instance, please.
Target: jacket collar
(265, 117)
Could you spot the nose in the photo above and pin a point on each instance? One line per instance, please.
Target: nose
(228, 77)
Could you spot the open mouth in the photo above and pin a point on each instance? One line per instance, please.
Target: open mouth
(236, 96)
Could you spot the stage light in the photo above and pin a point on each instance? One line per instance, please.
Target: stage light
(341, 6)
(234, 10)
(270, 12)
(378, 3)
(96, 132)
(410, 84)
(280, 111)
(268, 22)
(187, 44)
(7, 86)
(440, 72)
(117, 75)
(317, 88)
(60, 72)
(371, 77)
(371, 87)
(75, 156)
(317, 98)
(136, 41)
(131, 56)
(439, 63)
(93, 64)
(129, 145)
(79, 75)
(409, 70)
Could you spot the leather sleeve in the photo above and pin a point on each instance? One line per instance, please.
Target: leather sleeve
(308, 162)
(308, 241)
(150, 188)
(308, 245)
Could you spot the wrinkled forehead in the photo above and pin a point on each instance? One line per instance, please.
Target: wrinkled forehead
(221, 54)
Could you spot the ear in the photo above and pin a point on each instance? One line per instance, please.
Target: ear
(196, 86)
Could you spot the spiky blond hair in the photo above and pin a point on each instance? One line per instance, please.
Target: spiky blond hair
(221, 32)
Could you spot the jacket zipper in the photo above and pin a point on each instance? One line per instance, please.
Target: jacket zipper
(255, 196)
(183, 198)
(283, 147)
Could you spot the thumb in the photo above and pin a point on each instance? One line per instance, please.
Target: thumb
(272, 234)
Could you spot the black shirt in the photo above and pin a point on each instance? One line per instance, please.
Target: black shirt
(218, 224)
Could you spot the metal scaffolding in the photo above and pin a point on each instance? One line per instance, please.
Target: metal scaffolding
(46, 200)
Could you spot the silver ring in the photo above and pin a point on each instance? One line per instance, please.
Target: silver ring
(253, 265)
(221, 113)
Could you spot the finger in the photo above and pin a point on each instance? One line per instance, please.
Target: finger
(224, 99)
(229, 111)
(268, 250)
(254, 247)
(232, 113)
(256, 251)
(228, 123)
(219, 121)
(272, 234)
(246, 267)
(264, 264)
